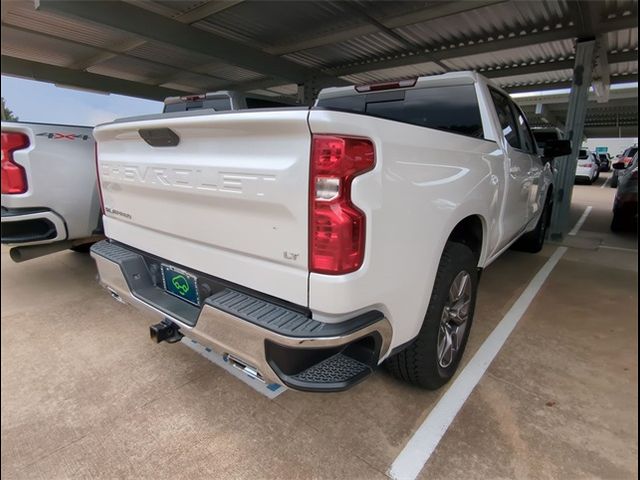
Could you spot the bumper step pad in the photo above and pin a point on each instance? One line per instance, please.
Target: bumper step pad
(336, 369)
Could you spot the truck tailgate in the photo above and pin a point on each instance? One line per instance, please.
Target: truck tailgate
(229, 199)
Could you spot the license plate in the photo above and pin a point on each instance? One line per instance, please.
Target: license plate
(181, 284)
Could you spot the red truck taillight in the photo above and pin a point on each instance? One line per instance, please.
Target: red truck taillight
(336, 225)
(14, 178)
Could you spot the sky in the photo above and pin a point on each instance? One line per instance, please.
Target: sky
(33, 101)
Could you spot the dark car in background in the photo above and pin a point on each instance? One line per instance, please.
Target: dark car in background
(626, 158)
(605, 162)
(625, 204)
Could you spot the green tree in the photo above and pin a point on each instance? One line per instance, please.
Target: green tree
(7, 114)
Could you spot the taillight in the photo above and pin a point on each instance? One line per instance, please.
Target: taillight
(587, 165)
(14, 178)
(95, 149)
(336, 225)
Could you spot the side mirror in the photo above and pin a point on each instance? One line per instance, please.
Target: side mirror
(619, 166)
(557, 148)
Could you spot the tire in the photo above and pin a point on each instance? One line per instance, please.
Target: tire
(84, 248)
(618, 223)
(614, 181)
(533, 241)
(420, 363)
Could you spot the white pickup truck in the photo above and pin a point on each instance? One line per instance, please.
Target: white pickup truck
(49, 190)
(309, 245)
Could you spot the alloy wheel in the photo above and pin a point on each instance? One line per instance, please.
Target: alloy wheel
(453, 322)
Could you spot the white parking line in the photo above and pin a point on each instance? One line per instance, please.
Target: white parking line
(424, 441)
(604, 184)
(581, 221)
(622, 249)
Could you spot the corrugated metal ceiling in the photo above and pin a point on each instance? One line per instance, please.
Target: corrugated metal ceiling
(327, 36)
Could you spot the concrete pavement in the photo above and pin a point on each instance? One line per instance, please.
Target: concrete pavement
(86, 394)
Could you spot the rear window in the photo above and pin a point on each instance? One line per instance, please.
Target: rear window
(631, 152)
(583, 154)
(263, 103)
(216, 104)
(220, 104)
(452, 108)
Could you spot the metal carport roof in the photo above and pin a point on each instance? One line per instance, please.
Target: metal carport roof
(154, 49)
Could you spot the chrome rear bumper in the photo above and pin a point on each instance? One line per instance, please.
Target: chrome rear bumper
(237, 338)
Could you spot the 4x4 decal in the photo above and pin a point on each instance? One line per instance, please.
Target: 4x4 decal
(62, 136)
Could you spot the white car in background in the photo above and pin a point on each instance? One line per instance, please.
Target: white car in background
(588, 168)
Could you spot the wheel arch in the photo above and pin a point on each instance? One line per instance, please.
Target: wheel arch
(472, 232)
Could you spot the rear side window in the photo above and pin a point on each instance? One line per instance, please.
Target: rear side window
(526, 137)
(507, 119)
(452, 108)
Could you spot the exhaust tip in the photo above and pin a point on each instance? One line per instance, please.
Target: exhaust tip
(15, 255)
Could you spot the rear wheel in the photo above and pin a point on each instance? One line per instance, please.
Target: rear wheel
(533, 241)
(618, 223)
(433, 357)
(614, 181)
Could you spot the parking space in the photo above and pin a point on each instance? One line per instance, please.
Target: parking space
(85, 393)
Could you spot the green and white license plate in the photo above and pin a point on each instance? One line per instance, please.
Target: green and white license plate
(181, 284)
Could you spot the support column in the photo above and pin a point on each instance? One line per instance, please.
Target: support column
(574, 131)
(307, 92)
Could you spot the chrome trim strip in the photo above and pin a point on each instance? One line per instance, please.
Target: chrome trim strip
(228, 334)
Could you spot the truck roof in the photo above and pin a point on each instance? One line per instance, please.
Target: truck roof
(451, 78)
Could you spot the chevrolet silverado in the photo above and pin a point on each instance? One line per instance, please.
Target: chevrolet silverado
(309, 245)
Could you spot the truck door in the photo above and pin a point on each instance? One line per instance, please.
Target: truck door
(515, 211)
(528, 142)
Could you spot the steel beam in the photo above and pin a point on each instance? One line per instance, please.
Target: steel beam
(432, 12)
(104, 54)
(602, 75)
(307, 93)
(539, 87)
(118, 51)
(79, 79)
(574, 131)
(152, 26)
(481, 45)
(205, 10)
(622, 131)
